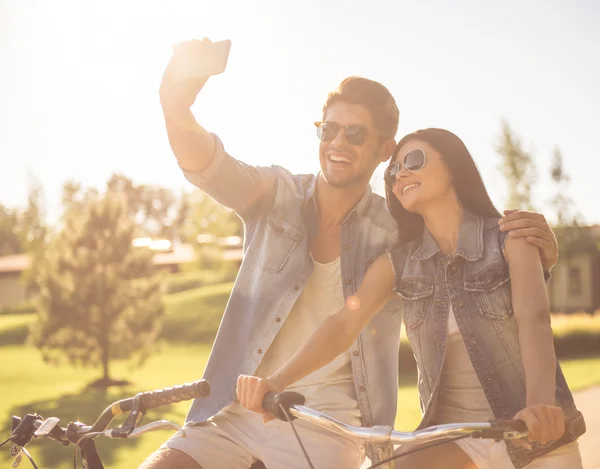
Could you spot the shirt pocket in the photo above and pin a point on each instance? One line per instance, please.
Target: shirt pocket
(490, 291)
(279, 241)
(417, 295)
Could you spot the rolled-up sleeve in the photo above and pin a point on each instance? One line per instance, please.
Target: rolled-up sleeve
(243, 188)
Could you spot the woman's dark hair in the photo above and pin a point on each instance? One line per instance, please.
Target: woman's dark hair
(466, 178)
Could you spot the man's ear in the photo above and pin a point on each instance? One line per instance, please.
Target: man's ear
(387, 148)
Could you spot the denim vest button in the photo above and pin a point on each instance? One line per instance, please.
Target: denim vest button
(296, 287)
(259, 350)
(277, 319)
(355, 353)
(348, 281)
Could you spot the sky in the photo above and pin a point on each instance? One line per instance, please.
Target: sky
(79, 84)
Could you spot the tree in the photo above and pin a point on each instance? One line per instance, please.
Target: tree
(10, 240)
(157, 211)
(23, 230)
(99, 298)
(517, 167)
(34, 232)
(209, 222)
(571, 236)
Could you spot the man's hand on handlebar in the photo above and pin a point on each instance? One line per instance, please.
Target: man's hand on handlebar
(250, 393)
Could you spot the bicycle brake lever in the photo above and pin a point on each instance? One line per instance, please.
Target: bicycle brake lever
(156, 425)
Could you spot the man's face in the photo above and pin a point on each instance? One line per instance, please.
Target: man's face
(343, 164)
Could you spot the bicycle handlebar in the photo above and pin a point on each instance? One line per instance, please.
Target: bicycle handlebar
(160, 397)
(33, 425)
(285, 406)
(383, 435)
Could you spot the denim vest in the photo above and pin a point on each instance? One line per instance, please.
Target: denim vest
(280, 221)
(476, 283)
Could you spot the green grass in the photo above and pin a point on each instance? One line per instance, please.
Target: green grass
(581, 373)
(28, 384)
(183, 281)
(193, 316)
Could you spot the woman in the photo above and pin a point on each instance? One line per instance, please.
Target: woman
(475, 310)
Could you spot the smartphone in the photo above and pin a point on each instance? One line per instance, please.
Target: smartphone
(203, 60)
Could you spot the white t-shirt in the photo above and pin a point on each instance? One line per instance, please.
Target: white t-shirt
(461, 396)
(331, 388)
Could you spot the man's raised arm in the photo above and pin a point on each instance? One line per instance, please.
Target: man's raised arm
(199, 153)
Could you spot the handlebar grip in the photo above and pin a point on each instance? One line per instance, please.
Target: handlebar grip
(516, 425)
(174, 394)
(272, 401)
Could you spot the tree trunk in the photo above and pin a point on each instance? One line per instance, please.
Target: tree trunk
(105, 369)
(105, 357)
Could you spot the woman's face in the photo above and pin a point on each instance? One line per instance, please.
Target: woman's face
(432, 183)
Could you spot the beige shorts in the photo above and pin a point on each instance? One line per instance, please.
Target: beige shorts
(235, 438)
(490, 454)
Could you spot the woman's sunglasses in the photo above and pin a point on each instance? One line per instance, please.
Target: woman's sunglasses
(413, 161)
(355, 134)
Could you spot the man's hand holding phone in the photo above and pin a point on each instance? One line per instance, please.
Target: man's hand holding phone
(191, 64)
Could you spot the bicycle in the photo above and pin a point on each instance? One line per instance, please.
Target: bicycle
(285, 406)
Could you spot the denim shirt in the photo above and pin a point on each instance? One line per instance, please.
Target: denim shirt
(280, 221)
(476, 283)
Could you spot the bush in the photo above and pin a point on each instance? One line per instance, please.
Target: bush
(575, 336)
(25, 307)
(14, 328)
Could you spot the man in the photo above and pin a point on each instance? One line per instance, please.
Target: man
(308, 243)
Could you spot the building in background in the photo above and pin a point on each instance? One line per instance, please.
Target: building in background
(169, 258)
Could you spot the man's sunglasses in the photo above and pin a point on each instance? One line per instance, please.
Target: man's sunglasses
(413, 161)
(355, 134)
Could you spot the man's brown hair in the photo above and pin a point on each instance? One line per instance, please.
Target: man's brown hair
(372, 95)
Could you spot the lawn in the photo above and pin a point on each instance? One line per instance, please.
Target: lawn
(30, 385)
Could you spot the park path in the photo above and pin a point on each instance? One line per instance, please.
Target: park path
(588, 402)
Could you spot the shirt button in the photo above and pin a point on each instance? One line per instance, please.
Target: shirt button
(355, 353)
(277, 319)
(259, 350)
(348, 281)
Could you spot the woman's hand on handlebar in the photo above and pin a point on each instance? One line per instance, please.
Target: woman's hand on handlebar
(544, 423)
(250, 393)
